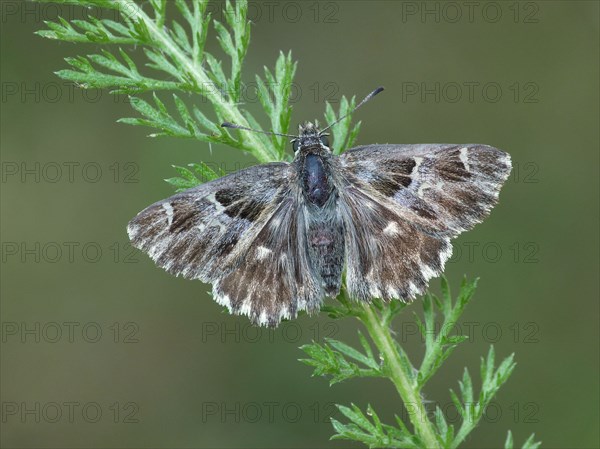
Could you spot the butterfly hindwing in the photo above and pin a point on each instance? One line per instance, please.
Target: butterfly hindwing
(387, 257)
(275, 279)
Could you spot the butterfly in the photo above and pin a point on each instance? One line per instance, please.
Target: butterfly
(276, 238)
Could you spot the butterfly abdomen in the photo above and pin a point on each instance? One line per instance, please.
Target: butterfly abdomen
(326, 251)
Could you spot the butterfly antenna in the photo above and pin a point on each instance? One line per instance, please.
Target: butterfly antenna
(367, 98)
(234, 126)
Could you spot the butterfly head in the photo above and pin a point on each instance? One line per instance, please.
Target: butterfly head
(310, 136)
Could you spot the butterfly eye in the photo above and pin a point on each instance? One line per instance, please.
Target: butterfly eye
(295, 145)
(324, 140)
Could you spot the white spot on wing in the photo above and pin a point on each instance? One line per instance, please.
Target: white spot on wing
(413, 290)
(418, 161)
(391, 228)
(422, 189)
(507, 161)
(218, 206)
(284, 313)
(276, 222)
(302, 304)
(263, 319)
(464, 157)
(445, 254)
(246, 307)
(132, 230)
(374, 291)
(169, 210)
(370, 205)
(263, 252)
(427, 271)
(223, 300)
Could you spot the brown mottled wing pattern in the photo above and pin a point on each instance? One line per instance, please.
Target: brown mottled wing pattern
(402, 204)
(222, 232)
(276, 279)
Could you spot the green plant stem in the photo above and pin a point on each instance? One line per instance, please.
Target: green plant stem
(407, 389)
(231, 111)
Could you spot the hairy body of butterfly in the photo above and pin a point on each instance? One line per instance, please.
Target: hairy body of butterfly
(274, 239)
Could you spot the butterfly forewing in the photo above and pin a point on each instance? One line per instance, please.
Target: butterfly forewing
(441, 188)
(401, 205)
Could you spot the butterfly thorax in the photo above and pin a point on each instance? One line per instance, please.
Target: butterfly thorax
(312, 160)
(315, 181)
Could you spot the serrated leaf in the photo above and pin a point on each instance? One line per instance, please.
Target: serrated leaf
(375, 433)
(117, 27)
(457, 403)
(201, 173)
(409, 370)
(438, 302)
(429, 316)
(356, 416)
(508, 444)
(206, 123)
(224, 38)
(352, 353)
(487, 367)
(446, 294)
(449, 436)
(440, 422)
(466, 292)
(160, 62)
(217, 72)
(180, 184)
(366, 346)
(419, 324)
(376, 421)
(530, 443)
(353, 135)
(185, 173)
(205, 172)
(466, 387)
(180, 35)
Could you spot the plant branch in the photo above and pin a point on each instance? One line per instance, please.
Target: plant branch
(402, 375)
(339, 360)
(439, 347)
(230, 111)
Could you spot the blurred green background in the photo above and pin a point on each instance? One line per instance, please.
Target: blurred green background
(142, 359)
